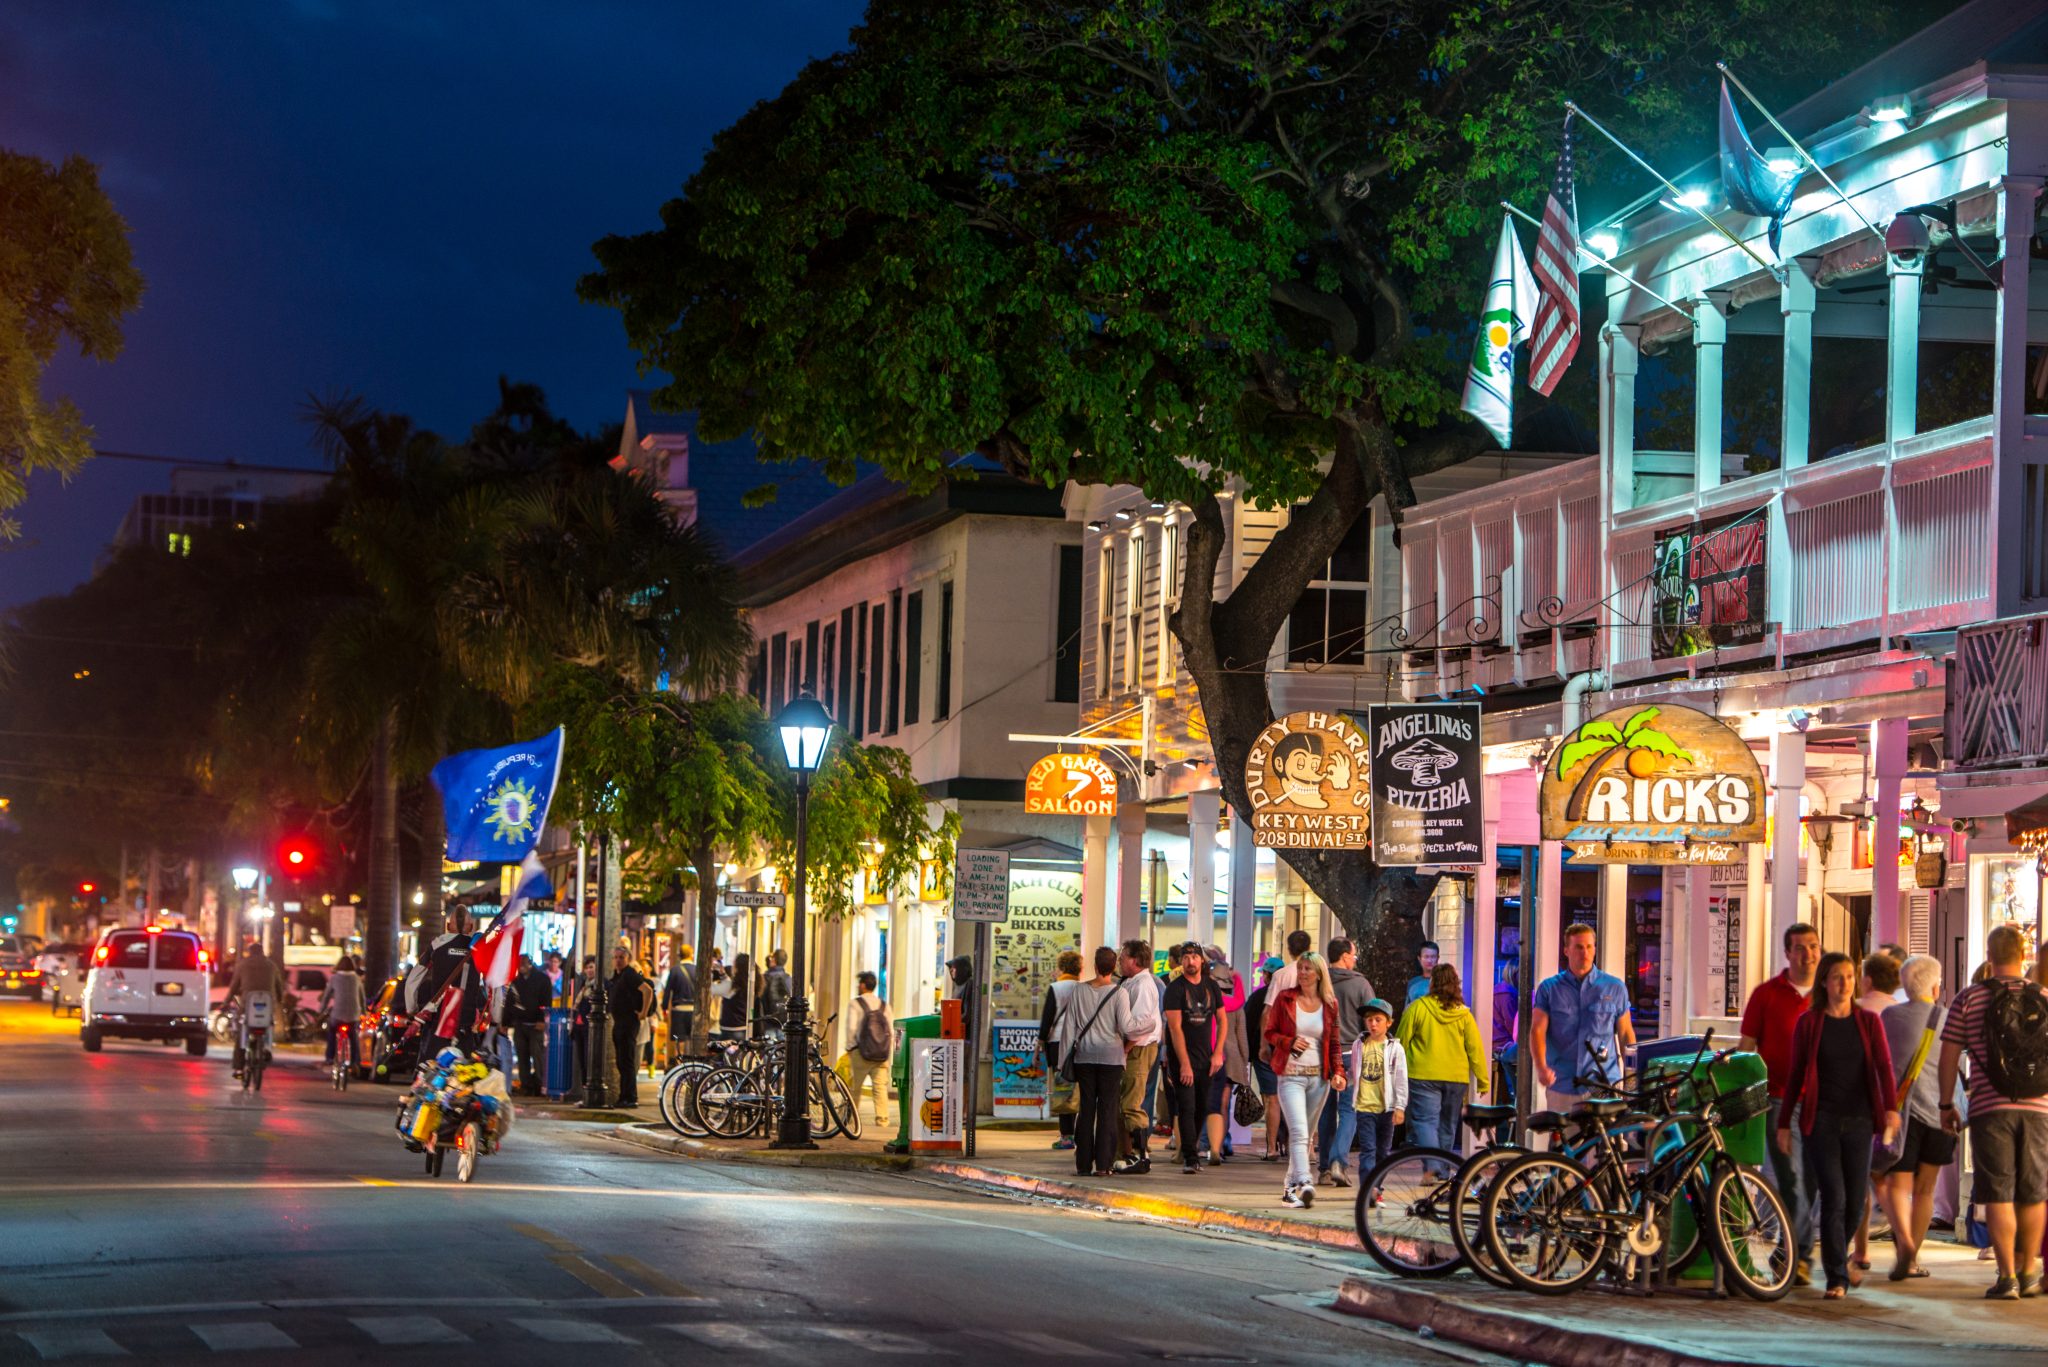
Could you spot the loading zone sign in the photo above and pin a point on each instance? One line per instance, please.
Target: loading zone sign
(1425, 783)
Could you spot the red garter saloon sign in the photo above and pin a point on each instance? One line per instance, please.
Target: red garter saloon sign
(1308, 778)
(1655, 784)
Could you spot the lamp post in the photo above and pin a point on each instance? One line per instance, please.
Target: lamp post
(804, 726)
(245, 882)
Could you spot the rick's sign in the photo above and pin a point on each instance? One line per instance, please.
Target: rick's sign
(1653, 785)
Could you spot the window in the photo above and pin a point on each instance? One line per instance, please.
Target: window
(778, 669)
(796, 668)
(811, 659)
(1066, 627)
(1134, 609)
(128, 949)
(1105, 615)
(895, 661)
(856, 714)
(180, 954)
(1169, 595)
(757, 677)
(913, 658)
(848, 653)
(1327, 625)
(877, 666)
(827, 664)
(942, 706)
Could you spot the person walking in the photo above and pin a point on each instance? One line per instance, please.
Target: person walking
(341, 1001)
(1579, 1024)
(1910, 1029)
(1066, 1100)
(1263, 1076)
(1339, 1123)
(2002, 1024)
(733, 992)
(1841, 1085)
(1142, 991)
(1298, 943)
(776, 990)
(1420, 985)
(580, 1012)
(870, 1040)
(1235, 1044)
(526, 1011)
(1880, 992)
(623, 1000)
(1193, 1012)
(1769, 1017)
(1300, 1031)
(1382, 1096)
(1093, 1033)
(679, 1002)
(1445, 1060)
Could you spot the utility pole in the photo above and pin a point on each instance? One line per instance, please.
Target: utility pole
(598, 1091)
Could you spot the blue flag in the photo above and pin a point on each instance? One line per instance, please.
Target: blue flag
(1754, 186)
(496, 801)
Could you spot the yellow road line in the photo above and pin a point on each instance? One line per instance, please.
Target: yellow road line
(664, 1286)
(593, 1276)
(375, 1182)
(548, 1237)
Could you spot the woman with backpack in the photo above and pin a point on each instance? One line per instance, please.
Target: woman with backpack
(870, 1037)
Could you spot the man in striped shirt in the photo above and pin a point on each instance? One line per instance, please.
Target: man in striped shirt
(2008, 1135)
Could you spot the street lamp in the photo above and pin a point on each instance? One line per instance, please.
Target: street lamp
(246, 879)
(804, 726)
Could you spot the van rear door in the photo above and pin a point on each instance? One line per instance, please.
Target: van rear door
(123, 979)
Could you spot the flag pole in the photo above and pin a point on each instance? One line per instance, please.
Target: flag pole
(1804, 155)
(1629, 152)
(1599, 261)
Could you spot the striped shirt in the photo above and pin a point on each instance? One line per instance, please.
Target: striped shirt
(1966, 1026)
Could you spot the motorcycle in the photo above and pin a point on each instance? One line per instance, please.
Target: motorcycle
(457, 1102)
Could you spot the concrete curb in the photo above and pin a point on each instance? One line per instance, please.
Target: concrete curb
(1405, 1306)
(661, 1139)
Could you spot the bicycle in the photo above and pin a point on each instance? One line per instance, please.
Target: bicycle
(1551, 1223)
(738, 1100)
(344, 1055)
(1405, 1205)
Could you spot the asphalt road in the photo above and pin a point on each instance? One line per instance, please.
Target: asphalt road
(149, 1209)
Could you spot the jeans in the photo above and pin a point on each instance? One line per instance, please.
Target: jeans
(1301, 1102)
(526, 1040)
(1434, 1110)
(1795, 1189)
(1376, 1139)
(1838, 1168)
(1339, 1122)
(1095, 1128)
(1192, 1108)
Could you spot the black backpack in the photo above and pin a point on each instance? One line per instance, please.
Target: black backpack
(2016, 1041)
(875, 1041)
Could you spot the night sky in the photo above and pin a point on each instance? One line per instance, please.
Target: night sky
(385, 197)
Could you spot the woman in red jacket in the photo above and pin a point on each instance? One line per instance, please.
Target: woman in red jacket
(1301, 1038)
(1841, 1092)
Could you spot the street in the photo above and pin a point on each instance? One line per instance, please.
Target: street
(157, 1212)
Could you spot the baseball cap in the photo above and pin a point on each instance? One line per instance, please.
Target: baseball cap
(1379, 1004)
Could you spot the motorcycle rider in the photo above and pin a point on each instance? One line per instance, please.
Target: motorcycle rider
(257, 975)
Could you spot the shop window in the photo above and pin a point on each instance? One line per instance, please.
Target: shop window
(913, 658)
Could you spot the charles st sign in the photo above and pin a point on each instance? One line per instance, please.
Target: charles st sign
(1653, 785)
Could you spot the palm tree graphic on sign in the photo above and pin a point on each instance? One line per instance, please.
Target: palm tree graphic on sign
(1599, 745)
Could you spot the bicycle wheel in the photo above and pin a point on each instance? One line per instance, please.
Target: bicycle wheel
(468, 1143)
(1403, 1213)
(1468, 1188)
(1543, 1219)
(842, 1117)
(1749, 1232)
(673, 1094)
(731, 1103)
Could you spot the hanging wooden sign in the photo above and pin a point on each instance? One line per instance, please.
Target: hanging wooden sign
(1071, 785)
(1659, 784)
(1308, 777)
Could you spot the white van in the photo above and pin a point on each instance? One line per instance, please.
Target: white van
(146, 984)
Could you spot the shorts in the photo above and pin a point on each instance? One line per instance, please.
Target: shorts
(1926, 1146)
(1268, 1082)
(2010, 1149)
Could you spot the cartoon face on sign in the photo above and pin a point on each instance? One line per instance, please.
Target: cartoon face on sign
(1305, 770)
(1305, 780)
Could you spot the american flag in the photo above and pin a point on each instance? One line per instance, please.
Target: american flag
(1556, 268)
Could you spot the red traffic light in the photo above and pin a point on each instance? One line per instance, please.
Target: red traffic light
(87, 889)
(297, 855)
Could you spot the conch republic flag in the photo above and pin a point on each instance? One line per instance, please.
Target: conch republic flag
(496, 801)
(1504, 324)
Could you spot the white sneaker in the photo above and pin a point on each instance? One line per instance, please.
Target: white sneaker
(1293, 1198)
(1308, 1195)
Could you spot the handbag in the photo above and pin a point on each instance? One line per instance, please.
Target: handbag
(1067, 1074)
(1884, 1157)
(1248, 1107)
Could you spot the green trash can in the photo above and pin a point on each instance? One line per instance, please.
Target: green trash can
(907, 1029)
(1741, 1080)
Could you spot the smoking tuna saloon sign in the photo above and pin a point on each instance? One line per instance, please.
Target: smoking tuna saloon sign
(1071, 785)
(1308, 780)
(1653, 785)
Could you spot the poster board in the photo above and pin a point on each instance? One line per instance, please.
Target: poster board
(1018, 1071)
(936, 1071)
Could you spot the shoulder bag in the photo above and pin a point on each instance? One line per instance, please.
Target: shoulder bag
(1067, 1074)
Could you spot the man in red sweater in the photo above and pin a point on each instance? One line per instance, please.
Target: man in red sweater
(1768, 1020)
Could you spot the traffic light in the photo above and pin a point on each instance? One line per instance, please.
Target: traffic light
(87, 889)
(297, 856)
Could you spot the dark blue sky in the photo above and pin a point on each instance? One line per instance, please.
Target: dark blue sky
(386, 197)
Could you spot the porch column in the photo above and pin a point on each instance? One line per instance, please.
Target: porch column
(1619, 349)
(2017, 197)
(1613, 944)
(1095, 918)
(1243, 898)
(1485, 915)
(1755, 956)
(1788, 776)
(1888, 757)
(1550, 909)
(1709, 340)
(1795, 301)
(1202, 867)
(1902, 348)
(1130, 873)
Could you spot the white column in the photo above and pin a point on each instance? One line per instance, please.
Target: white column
(1485, 917)
(1614, 919)
(1130, 873)
(1692, 978)
(1618, 408)
(1709, 340)
(2009, 446)
(1888, 738)
(1096, 923)
(1550, 909)
(1902, 348)
(1795, 301)
(1243, 898)
(1755, 954)
(1202, 808)
(1788, 776)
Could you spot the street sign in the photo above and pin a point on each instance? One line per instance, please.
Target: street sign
(341, 923)
(753, 899)
(981, 885)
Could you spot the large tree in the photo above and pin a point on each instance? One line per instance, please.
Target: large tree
(1184, 246)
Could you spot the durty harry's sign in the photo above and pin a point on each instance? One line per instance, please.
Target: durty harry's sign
(1309, 784)
(1653, 785)
(1071, 785)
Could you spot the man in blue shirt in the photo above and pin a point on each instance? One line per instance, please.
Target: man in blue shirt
(1572, 1008)
(1418, 986)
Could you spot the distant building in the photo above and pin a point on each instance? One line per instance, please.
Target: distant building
(203, 497)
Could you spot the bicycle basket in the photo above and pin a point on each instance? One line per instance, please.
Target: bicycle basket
(1749, 1103)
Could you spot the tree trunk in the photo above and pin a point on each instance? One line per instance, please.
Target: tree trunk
(381, 904)
(707, 930)
(610, 912)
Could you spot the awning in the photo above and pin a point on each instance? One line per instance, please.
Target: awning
(1959, 798)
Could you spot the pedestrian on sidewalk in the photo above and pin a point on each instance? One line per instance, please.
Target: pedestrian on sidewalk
(1339, 1123)
(526, 1011)
(1879, 986)
(1193, 1011)
(1910, 1029)
(733, 991)
(1263, 1076)
(1445, 1060)
(1768, 1020)
(580, 1011)
(1421, 984)
(776, 991)
(622, 998)
(679, 1002)
(1382, 1097)
(1298, 944)
(1094, 1031)
(1301, 1040)
(1065, 1098)
(870, 1039)
(1842, 1086)
(1579, 1024)
(1233, 1043)
(1134, 1138)
(2002, 1024)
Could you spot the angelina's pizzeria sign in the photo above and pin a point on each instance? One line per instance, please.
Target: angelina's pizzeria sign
(1653, 785)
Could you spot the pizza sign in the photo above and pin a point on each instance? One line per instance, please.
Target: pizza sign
(1308, 780)
(1071, 785)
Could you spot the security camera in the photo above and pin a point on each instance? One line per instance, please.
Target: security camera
(1907, 238)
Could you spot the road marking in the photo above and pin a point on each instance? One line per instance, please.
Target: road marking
(52, 1344)
(878, 1341)
(376, 1182)
(571, 1331)
(593, 1276)
(633, 1267)
(244, 1334)
(720, 1334)
(548, 1237)
(1045, 1345)
(399, 1331)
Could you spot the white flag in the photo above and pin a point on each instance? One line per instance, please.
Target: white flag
(1504, 324)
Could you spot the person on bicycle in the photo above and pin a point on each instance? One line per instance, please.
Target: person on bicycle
(256, 975)
(1579, 1024)
(341, 1001)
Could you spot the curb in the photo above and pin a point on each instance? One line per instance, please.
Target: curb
(657, 1137)
(1526, 1340)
